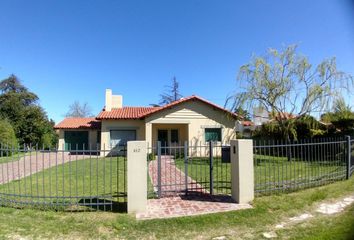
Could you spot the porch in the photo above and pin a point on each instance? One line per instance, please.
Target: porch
(169, 134)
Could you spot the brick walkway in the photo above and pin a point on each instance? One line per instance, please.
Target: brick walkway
(177, 204)
(182, 206)
(172, 179)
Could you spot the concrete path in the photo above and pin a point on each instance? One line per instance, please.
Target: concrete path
(173, 180)
(36, 162)
(326, 208)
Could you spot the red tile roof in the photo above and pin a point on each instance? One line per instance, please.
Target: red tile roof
(141, 112)
(77, 123)
(125, 113)
(247, 123)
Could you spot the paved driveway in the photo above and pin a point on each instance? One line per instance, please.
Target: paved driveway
(36, 162)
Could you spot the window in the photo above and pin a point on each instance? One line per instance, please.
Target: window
(213, 134)
(174, 136)
(121, 137)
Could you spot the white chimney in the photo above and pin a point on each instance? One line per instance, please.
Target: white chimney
(108, 105)
(113, 101)
(117, 101)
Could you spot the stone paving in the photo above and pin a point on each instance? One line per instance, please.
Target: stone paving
(190, 205)
(33, 163)
(173, 180)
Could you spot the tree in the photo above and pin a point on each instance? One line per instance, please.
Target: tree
(286, 84)
(19, 106)
(79, 110)
(172, 94)
(304, 127)
(7, 134)
(341, 117)
(243, 113)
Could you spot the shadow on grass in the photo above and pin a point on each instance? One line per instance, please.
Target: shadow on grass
(206, 197)
(104, 205)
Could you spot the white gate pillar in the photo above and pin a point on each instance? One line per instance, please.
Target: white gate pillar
(137, 176)
(242, 171)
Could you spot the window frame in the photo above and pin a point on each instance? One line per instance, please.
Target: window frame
(219, 137)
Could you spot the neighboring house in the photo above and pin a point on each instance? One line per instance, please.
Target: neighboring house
(191, 119)
(245, 128)
(260, 116)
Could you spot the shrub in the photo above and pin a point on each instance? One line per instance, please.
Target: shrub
(7, 136)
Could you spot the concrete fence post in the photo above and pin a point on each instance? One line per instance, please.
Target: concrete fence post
(137, 176)
(242, 171)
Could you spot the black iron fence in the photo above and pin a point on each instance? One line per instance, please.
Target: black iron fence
(351, 161)
(288, 166)
(188, 168)
(91, 179)
(75, 180)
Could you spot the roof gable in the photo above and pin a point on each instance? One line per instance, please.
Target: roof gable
(142, 112)
(191, 98)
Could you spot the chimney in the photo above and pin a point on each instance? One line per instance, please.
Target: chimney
(117, 101)
(113, 101)
(108, 105)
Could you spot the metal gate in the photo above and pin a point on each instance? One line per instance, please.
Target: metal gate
(180, 169)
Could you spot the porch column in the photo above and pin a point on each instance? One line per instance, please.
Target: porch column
(148, 135)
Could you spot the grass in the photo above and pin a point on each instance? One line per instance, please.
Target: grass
(340, 226)
(83, 181)
(272, 174)
(244, 224)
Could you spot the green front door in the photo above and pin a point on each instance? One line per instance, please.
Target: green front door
(76, 140)
(162, 136)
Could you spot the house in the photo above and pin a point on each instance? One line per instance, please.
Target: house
(245, 128)
(191, 119)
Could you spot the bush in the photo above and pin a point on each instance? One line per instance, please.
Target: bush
(7, 136)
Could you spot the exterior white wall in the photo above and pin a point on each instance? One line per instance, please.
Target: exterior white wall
(197, 116)
(108, 125)
(191, 118)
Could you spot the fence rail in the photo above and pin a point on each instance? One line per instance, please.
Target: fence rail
(289, 166)
(90, 180)
(75, 180)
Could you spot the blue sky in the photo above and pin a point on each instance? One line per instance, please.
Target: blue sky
(72, 50)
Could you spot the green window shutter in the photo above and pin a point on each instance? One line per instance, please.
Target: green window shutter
(212, 134)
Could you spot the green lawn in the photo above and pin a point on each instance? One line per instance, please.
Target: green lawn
(272, 174)
(83, 181)
(245, 224)
(199, 170)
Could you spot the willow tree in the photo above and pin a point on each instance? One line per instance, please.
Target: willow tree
(285, 84)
